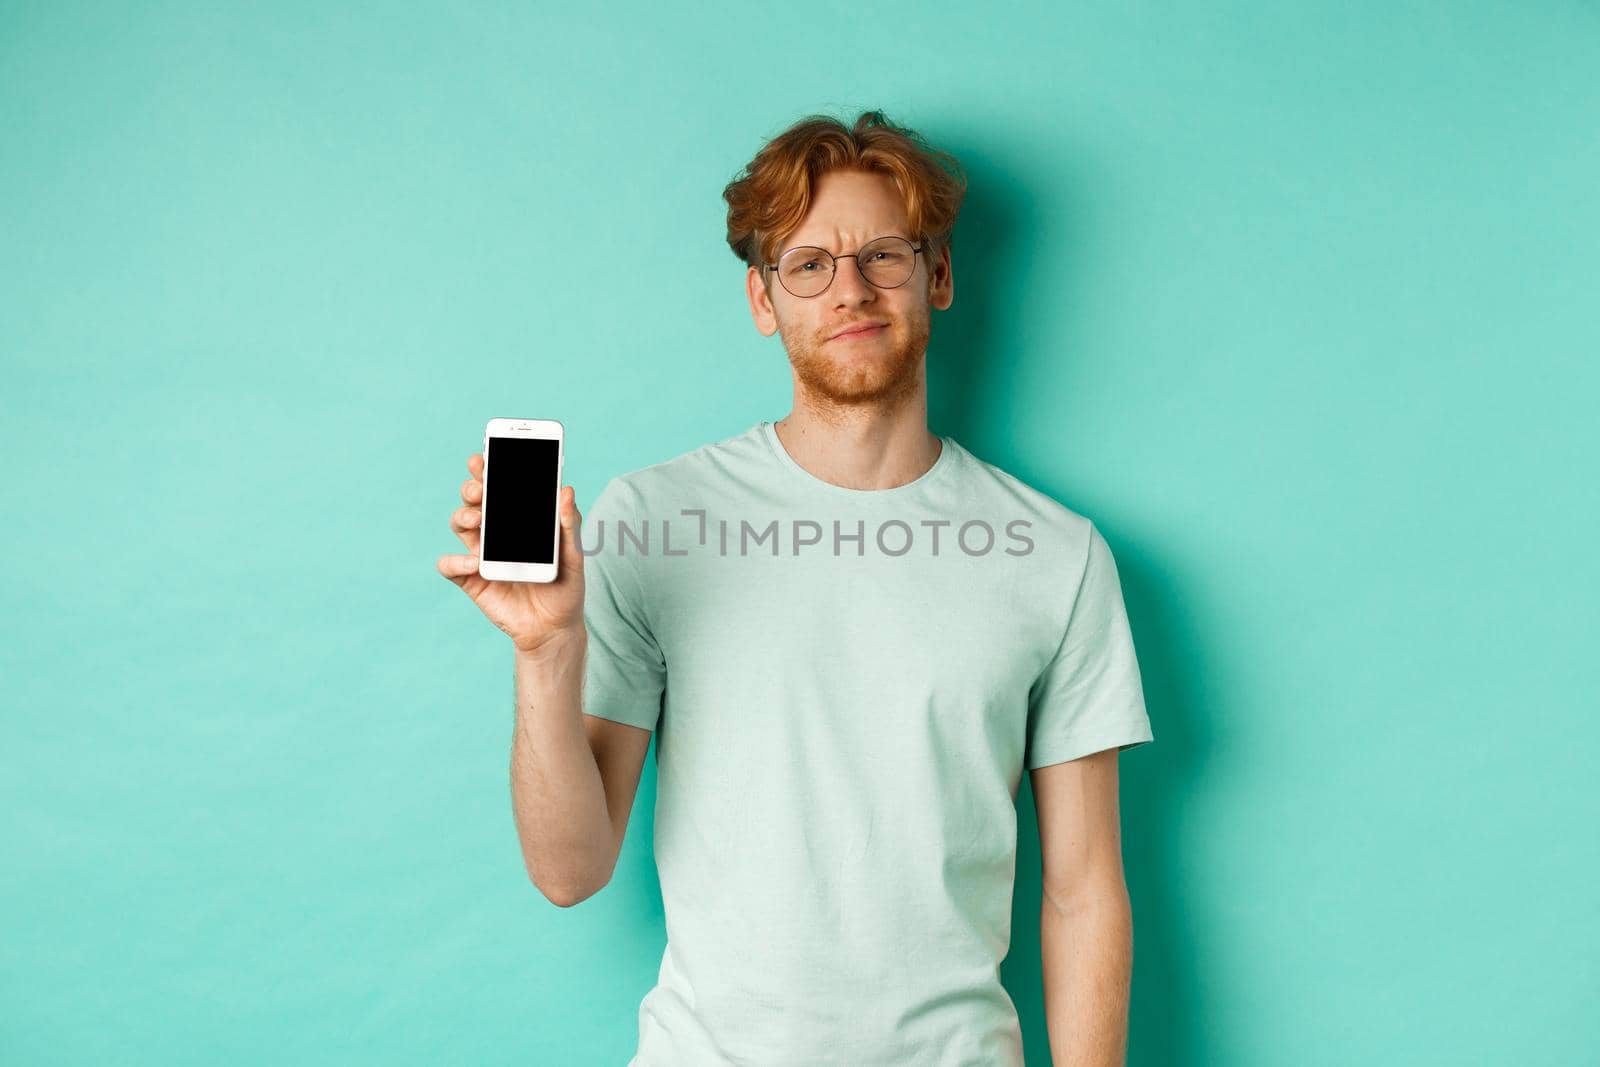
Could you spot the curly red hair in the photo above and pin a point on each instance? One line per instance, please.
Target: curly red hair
(772, 194)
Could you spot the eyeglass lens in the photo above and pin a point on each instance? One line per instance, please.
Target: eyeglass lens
(886, 262)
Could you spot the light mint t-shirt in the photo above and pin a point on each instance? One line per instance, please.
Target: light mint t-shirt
(846, 686)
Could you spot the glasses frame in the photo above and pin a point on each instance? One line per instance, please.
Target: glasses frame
(833, 265)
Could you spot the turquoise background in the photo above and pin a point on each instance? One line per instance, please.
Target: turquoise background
(1298, 302)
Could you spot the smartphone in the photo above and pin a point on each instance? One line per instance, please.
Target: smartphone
(520, 527)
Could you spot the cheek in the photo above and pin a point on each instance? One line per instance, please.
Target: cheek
(908, 312)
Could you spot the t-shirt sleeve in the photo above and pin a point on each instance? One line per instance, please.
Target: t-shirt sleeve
(624, 671)
(1089, 697)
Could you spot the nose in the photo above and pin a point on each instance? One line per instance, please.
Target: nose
(849, 287)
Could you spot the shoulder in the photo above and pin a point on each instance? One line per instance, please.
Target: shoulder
(1011, 498)
(665, 484)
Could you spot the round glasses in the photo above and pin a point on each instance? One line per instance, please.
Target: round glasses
(886, 262)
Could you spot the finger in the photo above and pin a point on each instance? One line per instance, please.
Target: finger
(475, 469)
(472, 492)
(571, 527)
(464, 523)
(457, 568)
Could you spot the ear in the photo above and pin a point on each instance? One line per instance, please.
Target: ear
(761, 308)
(941, 283)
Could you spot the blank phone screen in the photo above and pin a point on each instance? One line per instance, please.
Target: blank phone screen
(519, 518)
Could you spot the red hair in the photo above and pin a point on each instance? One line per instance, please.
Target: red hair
(769, 198)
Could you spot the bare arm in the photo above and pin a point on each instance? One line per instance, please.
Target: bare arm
(1086, 921)
(573, 776)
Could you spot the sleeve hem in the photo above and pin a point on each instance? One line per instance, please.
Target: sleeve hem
(1122, 735)
(629, 712)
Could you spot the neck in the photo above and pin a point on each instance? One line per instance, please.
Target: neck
(860, 448)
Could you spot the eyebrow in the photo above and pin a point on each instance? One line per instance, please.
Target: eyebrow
(831, 252)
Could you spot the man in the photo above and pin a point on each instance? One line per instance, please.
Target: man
(850, 637)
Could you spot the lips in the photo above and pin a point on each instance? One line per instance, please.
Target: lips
(862, 329)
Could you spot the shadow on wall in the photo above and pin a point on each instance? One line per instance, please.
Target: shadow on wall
(974, 355)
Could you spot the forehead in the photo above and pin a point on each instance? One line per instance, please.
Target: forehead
(848, 208)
